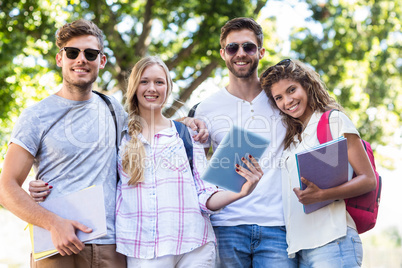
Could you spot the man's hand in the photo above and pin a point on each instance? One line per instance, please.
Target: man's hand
(197, 125)
(64, 236)
(17, 164)
(39, 190)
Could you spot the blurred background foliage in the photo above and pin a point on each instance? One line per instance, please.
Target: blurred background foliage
(354, 45)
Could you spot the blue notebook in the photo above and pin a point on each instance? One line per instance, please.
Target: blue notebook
(236, 144)
(326, 166)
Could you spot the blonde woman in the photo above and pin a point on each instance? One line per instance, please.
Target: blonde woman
(163, 208)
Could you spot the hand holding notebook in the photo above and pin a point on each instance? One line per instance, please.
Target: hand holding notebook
(85, 206)
(326, 166)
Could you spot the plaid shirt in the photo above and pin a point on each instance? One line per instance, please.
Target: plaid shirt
(165, 214)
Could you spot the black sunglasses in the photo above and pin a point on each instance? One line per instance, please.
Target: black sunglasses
(249, 48)
(284, 62)
(73, 52)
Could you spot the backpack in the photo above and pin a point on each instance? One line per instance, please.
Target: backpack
(184, 134)
(364, 208)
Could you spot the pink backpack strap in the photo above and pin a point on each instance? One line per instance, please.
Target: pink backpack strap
(323, 129)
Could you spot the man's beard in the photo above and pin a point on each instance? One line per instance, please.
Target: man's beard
(251, 70)
(80, 86)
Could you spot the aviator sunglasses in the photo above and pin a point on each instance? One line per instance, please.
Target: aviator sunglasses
(284, 62)
(249, 48)
(73, 52)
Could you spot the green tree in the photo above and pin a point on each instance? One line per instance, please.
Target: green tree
(358, 54)
(184, 33)
(186, 38)
(25, 35)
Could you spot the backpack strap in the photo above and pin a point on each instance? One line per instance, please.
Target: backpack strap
(184, 134)
(191, 113)
(323, 128)
(111, 109)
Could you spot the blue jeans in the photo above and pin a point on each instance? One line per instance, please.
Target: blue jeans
(344, 252)
(256, 246)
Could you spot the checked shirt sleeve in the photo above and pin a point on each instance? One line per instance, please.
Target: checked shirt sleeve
(204, 189)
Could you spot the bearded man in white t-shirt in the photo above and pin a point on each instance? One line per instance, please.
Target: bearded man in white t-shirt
(250, 232)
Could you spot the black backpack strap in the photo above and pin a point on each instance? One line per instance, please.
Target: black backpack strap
(192, 110)
(184, 134)
(111, 109)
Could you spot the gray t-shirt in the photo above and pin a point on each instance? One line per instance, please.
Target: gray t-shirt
(73, 143)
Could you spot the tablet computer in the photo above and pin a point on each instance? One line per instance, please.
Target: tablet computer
(237, 143)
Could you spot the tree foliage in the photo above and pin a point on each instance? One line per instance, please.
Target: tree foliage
(184, 33)
(356, 52)
(25, 36)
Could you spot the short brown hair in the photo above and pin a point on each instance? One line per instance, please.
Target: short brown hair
(238, 24)
(78, 28)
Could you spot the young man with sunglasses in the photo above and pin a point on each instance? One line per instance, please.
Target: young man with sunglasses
(69, 138)
(250, 232)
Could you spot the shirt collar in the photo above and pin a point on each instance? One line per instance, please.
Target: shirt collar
(311, 127)
(310, 130)
(169, 132)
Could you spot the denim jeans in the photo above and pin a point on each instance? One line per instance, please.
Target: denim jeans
(256, 246)
(344, 252)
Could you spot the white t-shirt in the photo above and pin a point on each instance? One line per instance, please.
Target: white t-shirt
(223, 110)
(306, 231)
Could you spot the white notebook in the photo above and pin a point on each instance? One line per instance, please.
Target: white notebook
(85, 206)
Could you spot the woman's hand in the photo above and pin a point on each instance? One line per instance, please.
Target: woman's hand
(39, 190)
(253, 175)
(312, 193)
(364, 182)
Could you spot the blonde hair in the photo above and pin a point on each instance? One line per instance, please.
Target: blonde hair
(318, 97)
(134, 152)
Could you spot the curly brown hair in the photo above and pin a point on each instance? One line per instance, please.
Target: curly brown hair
(318, 97)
